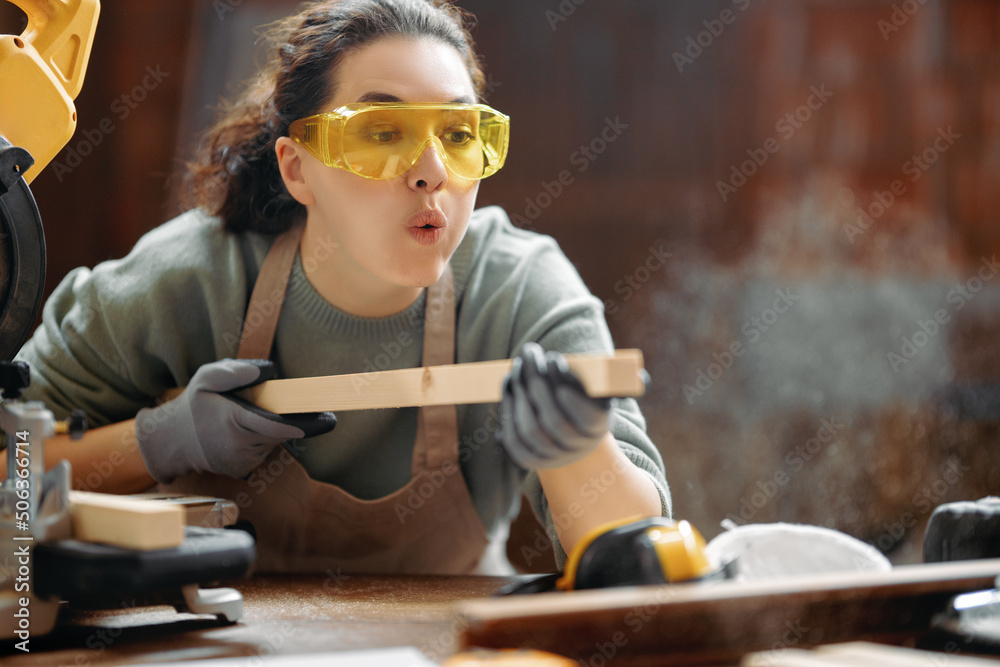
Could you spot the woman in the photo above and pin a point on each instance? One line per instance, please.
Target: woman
(334, 233)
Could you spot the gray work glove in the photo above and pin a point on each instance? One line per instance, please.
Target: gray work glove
(208, 429)
(547, 420)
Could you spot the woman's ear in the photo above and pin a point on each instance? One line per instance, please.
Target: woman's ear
(290, 166)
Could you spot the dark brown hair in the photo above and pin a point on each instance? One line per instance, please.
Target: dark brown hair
(234, 174)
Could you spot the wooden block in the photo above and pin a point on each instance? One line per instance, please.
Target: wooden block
(126, 522)
(683, 624)
(508, 657)
(456, 384)
(198, 510)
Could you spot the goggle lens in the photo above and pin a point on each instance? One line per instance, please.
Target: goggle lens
(382, 141)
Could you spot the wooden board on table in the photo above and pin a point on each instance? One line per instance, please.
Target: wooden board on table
(126, 522)
(690, 623)
(852, 654)
(619, 375)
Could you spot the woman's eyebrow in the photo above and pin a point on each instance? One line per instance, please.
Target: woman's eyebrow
(378, 97)
(386, 97)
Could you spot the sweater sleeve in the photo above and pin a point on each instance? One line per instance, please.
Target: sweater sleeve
(575, 324)
(526, 289)
(114, 337)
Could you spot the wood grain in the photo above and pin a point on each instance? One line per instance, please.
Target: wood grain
(479, 382)
(126, 522)
(688, 624)
(205, 511)
(852, 654)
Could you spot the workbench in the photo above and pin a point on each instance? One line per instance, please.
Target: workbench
(283, 615)
(299, 614)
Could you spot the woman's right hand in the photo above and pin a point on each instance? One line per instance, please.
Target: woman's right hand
(209, 429)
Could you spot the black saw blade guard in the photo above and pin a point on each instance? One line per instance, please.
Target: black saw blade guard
(22, 252)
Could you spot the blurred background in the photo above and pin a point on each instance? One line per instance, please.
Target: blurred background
(790, 206)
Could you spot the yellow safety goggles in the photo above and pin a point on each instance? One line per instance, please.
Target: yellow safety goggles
(383, 140)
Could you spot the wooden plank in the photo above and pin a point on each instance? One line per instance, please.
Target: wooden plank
(126, 522)
(456, 384)
(866, 653)
(688, 624)
(852, 654)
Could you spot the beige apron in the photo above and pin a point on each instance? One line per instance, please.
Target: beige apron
(430, 526)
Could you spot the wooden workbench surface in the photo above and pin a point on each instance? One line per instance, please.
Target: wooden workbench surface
(283, 615)
(294, 615)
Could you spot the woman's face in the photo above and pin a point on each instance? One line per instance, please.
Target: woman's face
(379, 227)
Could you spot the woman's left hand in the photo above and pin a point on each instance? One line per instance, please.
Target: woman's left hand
(547, 419)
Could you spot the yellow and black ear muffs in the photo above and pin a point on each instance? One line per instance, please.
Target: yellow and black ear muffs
(631, 553)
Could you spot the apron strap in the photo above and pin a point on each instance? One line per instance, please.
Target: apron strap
(437, 425)
(269, 290)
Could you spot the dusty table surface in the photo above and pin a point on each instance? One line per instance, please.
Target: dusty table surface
(282, 615)
(307, 614)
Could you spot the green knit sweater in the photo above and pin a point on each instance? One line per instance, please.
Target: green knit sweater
(115, 337)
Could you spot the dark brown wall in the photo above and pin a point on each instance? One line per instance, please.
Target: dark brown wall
(107, 188)
(891, 83)
(821, 417)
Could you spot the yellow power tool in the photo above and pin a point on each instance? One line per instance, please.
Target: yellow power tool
(45, 65)
(631, 552)
(41, 71)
